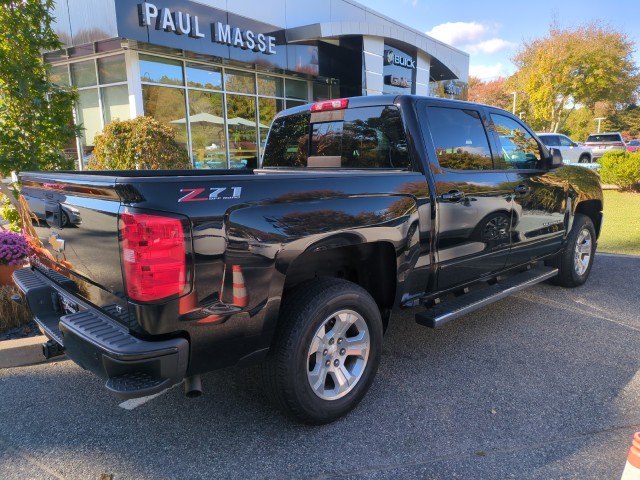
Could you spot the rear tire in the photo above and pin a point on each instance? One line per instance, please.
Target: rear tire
(326, 352)
(577, 258)
(584, 159)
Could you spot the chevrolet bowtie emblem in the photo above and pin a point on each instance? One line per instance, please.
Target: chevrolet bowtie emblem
(56, 242)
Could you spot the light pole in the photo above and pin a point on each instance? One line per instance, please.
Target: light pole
(514, 102)
(599, 119)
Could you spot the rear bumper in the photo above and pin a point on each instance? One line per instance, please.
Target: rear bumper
(131, 367)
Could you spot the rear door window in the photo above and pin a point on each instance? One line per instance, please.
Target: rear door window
(367, 137)
(459, 138)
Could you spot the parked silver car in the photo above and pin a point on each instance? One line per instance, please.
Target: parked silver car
(601, 143)
(571, 151)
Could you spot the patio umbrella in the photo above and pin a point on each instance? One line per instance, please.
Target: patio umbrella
(242, 122)
(201, 118)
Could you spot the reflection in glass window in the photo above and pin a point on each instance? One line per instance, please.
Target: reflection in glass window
(160, 70)
(59, 75)
(288, 144)
(296, 89)
(518, 148)
(208, 134)
(240, 82)
(270, 86)
(204, 76)
(267, 110)
(115, 101)
(374, 138)
(243, 131)
(89, 115)
(112, 69)
(167, 105)
(459, 138)
(83, 74)
(370, 137)
(326, 139)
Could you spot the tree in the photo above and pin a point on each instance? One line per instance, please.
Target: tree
(36, 119)
(140, 143)
(568, 68)
(494, 92)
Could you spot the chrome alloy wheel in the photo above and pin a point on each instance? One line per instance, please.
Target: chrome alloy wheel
(338, 354)
(582, 252)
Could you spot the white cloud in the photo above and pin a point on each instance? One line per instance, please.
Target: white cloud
(493, 45)
(459, 33)
(488, 72)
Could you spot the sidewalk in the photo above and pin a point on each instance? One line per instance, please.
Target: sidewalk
(22, 352)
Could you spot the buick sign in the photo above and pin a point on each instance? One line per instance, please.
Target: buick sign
(392, 58)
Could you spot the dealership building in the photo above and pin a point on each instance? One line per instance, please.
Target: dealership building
(217, 71)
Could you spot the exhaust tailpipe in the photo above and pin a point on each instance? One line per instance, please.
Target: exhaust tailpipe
(193, 386)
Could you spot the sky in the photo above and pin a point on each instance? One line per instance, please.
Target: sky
(492, 32)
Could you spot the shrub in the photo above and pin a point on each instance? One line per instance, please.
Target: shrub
(621, 168)
(141, 143)
(12, 314)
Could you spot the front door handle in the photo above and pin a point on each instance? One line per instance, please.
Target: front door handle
(521, 190)
(452, 195)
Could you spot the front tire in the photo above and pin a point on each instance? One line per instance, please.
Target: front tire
(327, 350)
(577, 258)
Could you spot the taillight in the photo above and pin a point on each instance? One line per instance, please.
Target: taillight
(618, 144)
(153, 255)
(338, 104)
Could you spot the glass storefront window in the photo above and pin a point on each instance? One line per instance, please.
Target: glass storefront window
(89, 114)
(242, 131)
(59, 75)
(160, 70)
(294, 103)
(270, 86)
(296, 89)
(167, 105)
(115, 102)
(83, 74)
(239, 82)
(204, 76)
(208, 134)
(112, 69)
(267, 110)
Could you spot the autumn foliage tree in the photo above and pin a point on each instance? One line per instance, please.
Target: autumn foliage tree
(569, 67)
(493, 92)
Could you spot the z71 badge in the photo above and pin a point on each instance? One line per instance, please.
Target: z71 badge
(202, 195)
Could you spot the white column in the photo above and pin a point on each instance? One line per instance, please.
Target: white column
(423, 67)
(373, 49)
(133, 83)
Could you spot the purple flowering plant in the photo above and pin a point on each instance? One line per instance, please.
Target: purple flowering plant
(13, 249)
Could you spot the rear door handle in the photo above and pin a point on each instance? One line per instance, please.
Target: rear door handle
(452, 195)
(521, 190)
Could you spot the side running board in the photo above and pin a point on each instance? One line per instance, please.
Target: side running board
(440, 314)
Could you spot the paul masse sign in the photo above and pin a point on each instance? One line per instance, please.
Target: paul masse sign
(181, 23)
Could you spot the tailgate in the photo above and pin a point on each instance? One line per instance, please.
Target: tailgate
(78, 226)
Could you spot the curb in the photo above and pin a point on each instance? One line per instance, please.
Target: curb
(22, 352)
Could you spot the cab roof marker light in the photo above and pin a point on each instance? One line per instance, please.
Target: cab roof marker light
(337, 104)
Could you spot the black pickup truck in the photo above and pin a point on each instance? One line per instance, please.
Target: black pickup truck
(361, 206)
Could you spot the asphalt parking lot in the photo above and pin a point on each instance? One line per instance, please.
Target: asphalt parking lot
(543, 385)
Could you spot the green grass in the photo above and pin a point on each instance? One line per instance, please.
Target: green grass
(621, 227)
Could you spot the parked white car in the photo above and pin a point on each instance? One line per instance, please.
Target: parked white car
(571, 151)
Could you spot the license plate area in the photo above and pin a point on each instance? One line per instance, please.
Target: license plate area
(66, 305)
